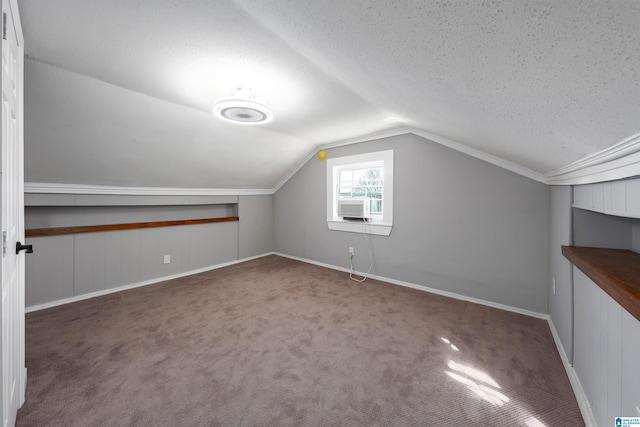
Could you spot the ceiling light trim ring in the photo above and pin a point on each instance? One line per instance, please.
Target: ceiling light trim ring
(242, 108)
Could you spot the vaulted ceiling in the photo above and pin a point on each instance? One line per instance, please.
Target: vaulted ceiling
(120, 92)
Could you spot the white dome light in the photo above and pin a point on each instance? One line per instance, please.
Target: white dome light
(242, 108)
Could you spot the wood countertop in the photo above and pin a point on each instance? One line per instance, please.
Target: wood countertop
(616, 271)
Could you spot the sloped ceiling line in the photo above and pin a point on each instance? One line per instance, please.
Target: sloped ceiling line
(620, 161)
(527, 86)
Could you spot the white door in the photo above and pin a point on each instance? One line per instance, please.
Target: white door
(12, 307)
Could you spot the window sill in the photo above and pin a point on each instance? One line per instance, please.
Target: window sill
(378, 228)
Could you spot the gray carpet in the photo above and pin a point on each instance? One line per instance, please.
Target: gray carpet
(277, 342)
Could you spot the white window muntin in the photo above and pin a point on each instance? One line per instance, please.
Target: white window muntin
(380, 224)
(357, 181)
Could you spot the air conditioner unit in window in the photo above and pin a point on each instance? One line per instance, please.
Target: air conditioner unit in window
(353, 208)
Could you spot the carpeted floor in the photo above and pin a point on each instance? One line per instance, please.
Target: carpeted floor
(277, 342)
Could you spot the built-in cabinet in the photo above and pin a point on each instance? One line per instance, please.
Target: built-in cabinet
(621, 198)
(606, 334)
(606, 352)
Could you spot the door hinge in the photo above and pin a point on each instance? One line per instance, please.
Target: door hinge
(4, 25)
(4, 243)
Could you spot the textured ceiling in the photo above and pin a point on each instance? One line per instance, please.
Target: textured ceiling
(540, 84)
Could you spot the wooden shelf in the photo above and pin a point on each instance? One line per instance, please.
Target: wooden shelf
(128, 226)
(616, 271)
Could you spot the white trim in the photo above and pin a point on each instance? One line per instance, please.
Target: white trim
(424, 288)
(578, 391)
(370, 137)
(607, 212)
(295, 170)
(449, 143)
(359, 227)
(619, 161)
(382, 228)
(520, 170)
(55, 188)
(497, 161)
(15, 11)
(76, 298)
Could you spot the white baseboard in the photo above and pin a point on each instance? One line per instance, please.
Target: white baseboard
(56, 303)
(425, 288)
(578, 391)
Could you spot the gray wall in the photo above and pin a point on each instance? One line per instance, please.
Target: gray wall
(72, 265)
(255, 234)
(460, 224)
(561, 302)
(596, 229)
(635, 235)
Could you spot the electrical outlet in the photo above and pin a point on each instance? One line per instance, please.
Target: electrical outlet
(351, 251)
(166, 259)
(553, 285)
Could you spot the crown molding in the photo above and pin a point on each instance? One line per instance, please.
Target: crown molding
(55, 188)
(619, 161)
(520, 170)
(497, 161)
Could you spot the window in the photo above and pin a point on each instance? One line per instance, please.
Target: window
(369, 176)
(361, 181)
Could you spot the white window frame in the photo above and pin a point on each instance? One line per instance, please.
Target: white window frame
(380, 226)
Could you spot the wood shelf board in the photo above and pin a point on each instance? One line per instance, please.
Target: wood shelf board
(616, 271)
(127, 226)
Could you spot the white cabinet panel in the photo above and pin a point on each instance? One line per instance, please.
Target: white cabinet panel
(633, 197)
(613, 361)
(608, 202)
(619, 197)
(630, 399)
(598, 197)
(582, 196)
(606, 352)
(584, 346)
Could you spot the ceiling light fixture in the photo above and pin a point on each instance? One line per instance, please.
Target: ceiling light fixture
(242, 108)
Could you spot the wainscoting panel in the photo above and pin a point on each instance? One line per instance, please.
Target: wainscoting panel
(65, 266)
(49, 269)
(204, 248)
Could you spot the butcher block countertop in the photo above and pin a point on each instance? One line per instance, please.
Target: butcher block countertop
(616, 271)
